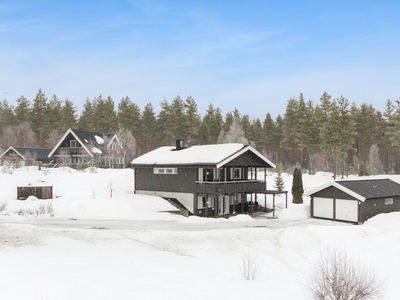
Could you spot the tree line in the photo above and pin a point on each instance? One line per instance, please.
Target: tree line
(330, 135)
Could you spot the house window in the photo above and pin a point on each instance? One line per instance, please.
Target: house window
(120, 160)
(237, 173)
(165, 171)
(72, 143)
(113, 146)
(208, 175)
(388, 201)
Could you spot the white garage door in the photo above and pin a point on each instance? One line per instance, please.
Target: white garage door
(347, 210)
(323, 208)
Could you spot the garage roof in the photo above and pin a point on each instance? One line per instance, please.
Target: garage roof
(364, 189)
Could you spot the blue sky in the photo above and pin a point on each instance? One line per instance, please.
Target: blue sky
(252, 55)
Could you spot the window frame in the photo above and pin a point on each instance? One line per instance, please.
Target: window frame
(388, 201)
(165, 171)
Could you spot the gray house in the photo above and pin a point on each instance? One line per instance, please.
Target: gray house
(354, 200)
(208, 180)
(80, 147)
(28, 156)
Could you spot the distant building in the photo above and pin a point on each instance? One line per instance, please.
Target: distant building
(28, 156)
(85, 148)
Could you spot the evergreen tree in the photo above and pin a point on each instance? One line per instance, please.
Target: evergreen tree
(297, 187)
(129, 119)
(38, 117)
(204, 133)
(365, 126)
(278, 138)
(163, 137)
(269, 131)
(53, 116)
(177, 121)
(256, 134)
(148, 129)
(193, 121)
(86, 120)
(279, 182)
(68, 116)
(105, 115)
(214, 121)
(290, 129)
(23, 110)
(7, 117)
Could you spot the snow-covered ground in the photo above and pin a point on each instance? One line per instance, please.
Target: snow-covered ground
(168, 256)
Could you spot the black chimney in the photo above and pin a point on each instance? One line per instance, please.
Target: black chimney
(179, 144)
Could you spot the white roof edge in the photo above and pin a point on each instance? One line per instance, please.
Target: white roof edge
(338, 186)
(9, 148)
(114, 137)
(62, 139)
(240, 152)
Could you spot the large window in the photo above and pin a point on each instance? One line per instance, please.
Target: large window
(237, 173)
(208, 175)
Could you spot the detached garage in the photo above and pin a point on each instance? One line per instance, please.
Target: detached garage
(354, 200)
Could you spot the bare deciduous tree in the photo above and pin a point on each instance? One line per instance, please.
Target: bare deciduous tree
(250, 266)
(26, 136)
(336, 276)
(375, 160)
(235, 134)
(53, 138)
(9, 137)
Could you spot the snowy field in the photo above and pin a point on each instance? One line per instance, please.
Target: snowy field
(129, 247)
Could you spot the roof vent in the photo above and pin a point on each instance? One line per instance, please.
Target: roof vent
(179, 144)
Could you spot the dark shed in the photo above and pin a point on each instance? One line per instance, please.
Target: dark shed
(354, 200)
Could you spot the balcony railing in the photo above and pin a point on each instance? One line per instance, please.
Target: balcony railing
(230, 187)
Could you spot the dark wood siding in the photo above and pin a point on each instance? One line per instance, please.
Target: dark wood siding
(248, 159)
(183, 181)
(40, 192)
(373, 207)
(333, 192)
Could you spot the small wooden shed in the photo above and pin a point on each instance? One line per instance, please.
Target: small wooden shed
(40, 192)
(354, 200)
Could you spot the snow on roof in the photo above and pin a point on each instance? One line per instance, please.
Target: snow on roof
(99, 140)
(96, 150)
(204, 154)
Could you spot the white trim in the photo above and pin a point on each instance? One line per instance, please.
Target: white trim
(112, 139)
(63, 138)
(11, 147)
(240, 152)
(338, 186)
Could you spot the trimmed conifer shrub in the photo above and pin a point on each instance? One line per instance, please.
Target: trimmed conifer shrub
(297, 187)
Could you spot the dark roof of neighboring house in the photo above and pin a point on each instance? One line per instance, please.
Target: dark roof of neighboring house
(364, 189)
(90, 141)
(373, 188)
(90, 136)
(37, 153)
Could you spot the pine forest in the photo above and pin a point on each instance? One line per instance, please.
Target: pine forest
(331, 135)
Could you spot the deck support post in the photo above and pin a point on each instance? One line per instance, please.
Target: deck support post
(273, 205)
(206, 211)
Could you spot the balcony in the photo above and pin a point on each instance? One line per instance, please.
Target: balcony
(230, 187)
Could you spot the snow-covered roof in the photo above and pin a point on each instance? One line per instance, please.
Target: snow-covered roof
(218, 155)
